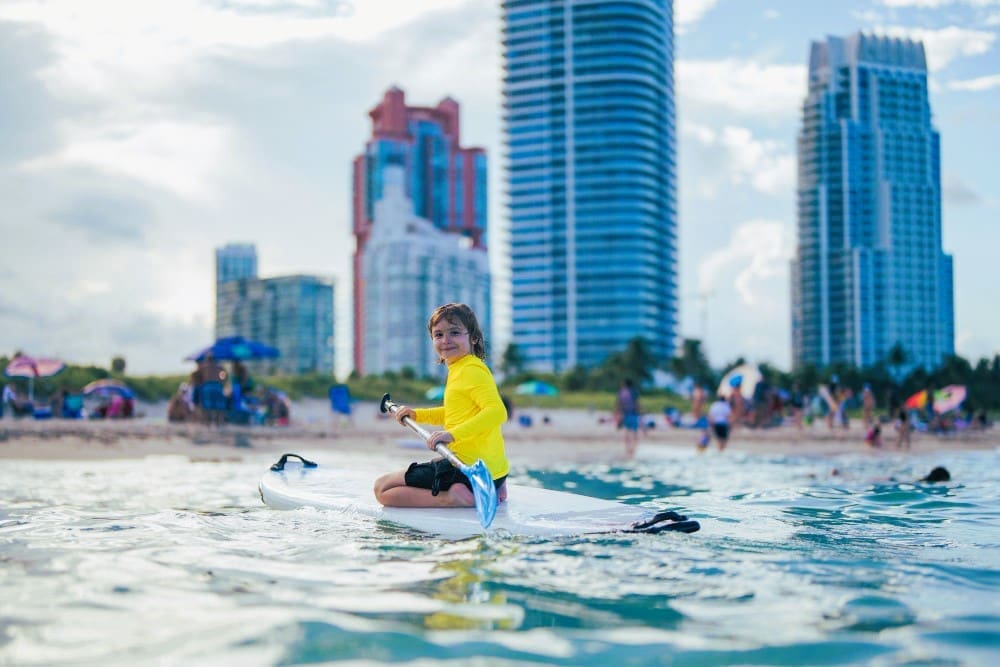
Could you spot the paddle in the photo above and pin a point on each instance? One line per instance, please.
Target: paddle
(483, 490)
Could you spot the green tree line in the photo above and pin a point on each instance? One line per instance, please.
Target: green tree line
(587, 387)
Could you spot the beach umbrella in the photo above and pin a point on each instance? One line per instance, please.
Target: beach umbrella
(233, 348)
(108, 387)
(949, 398)
(24, 366)
(744, 376)
(435, 393)
(917, 402)
(536, 388)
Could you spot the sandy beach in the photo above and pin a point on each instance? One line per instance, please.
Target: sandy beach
(571, 435)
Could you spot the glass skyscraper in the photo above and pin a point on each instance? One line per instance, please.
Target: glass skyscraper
(445, 182)
(869, 272)
(409, 269)
(234, 261)
(589, 125)
(292, 313)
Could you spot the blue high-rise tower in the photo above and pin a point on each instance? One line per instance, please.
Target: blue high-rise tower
(589, 125)
(869, 272)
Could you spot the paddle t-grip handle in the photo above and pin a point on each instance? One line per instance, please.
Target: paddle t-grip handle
(388, 406)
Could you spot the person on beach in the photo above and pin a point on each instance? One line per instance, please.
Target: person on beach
(874, 436)
(902, 429)
(737, 404)
(718, 421)
(627, 415)
(697, 402)
(472, 416)
(9, 397)
(797, 403)
(867, 405)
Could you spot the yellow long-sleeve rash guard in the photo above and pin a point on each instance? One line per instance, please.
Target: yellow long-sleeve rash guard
(473, 413)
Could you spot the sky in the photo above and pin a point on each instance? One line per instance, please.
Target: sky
(138, 137)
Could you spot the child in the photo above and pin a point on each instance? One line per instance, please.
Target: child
(874, 437)
(718, 420)
(472, 415)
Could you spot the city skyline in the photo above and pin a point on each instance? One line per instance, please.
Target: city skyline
(137, 140)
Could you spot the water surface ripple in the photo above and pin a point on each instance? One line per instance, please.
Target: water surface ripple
(800, 560)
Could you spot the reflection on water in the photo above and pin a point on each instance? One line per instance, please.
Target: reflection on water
(167, 560)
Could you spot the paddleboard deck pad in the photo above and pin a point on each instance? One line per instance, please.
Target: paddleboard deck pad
(528, 511)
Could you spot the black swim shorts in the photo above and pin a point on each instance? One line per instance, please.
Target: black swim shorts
(438, 475)
(721, 430)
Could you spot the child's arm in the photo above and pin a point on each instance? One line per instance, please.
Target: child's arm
(429, 415)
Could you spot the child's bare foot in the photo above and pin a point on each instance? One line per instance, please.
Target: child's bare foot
(502, 493)
(461, 496)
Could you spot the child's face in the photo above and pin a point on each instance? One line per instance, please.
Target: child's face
(451, 340)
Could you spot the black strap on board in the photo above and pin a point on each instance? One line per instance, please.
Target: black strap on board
(280, 465)
(663, 522)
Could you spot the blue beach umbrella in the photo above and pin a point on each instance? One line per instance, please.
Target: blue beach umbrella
(233, 348)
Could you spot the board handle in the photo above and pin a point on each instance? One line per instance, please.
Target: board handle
(279, 465)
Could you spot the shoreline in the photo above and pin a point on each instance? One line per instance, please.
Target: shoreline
(571, 435)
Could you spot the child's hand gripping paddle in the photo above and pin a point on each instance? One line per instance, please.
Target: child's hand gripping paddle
(483, 490)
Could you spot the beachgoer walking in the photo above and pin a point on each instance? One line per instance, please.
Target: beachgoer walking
(846, 394)
(472, 416)
(797, 404)
(867, 405)
(738, 405)
(902, 429)
(8, 397)
(832, 392)
(697, 403)
(627, 415)
(718, 421)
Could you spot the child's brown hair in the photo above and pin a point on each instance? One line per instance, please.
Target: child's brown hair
(460, 313)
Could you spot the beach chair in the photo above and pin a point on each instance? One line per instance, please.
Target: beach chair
(340, 401)
(239, 412)
(213, 402)
(72, 407)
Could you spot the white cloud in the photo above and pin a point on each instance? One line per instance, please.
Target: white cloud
(765, 165)
(935, 4)
(945, 44)
(976, 85)
(183, 158)
(689, 12)
(755, 259)
(742, 86)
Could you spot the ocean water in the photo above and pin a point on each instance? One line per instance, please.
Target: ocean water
(800, 560)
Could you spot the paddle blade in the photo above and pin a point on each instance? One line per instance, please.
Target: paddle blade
(484, 492)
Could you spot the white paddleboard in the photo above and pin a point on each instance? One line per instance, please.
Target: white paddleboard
(528, 511)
